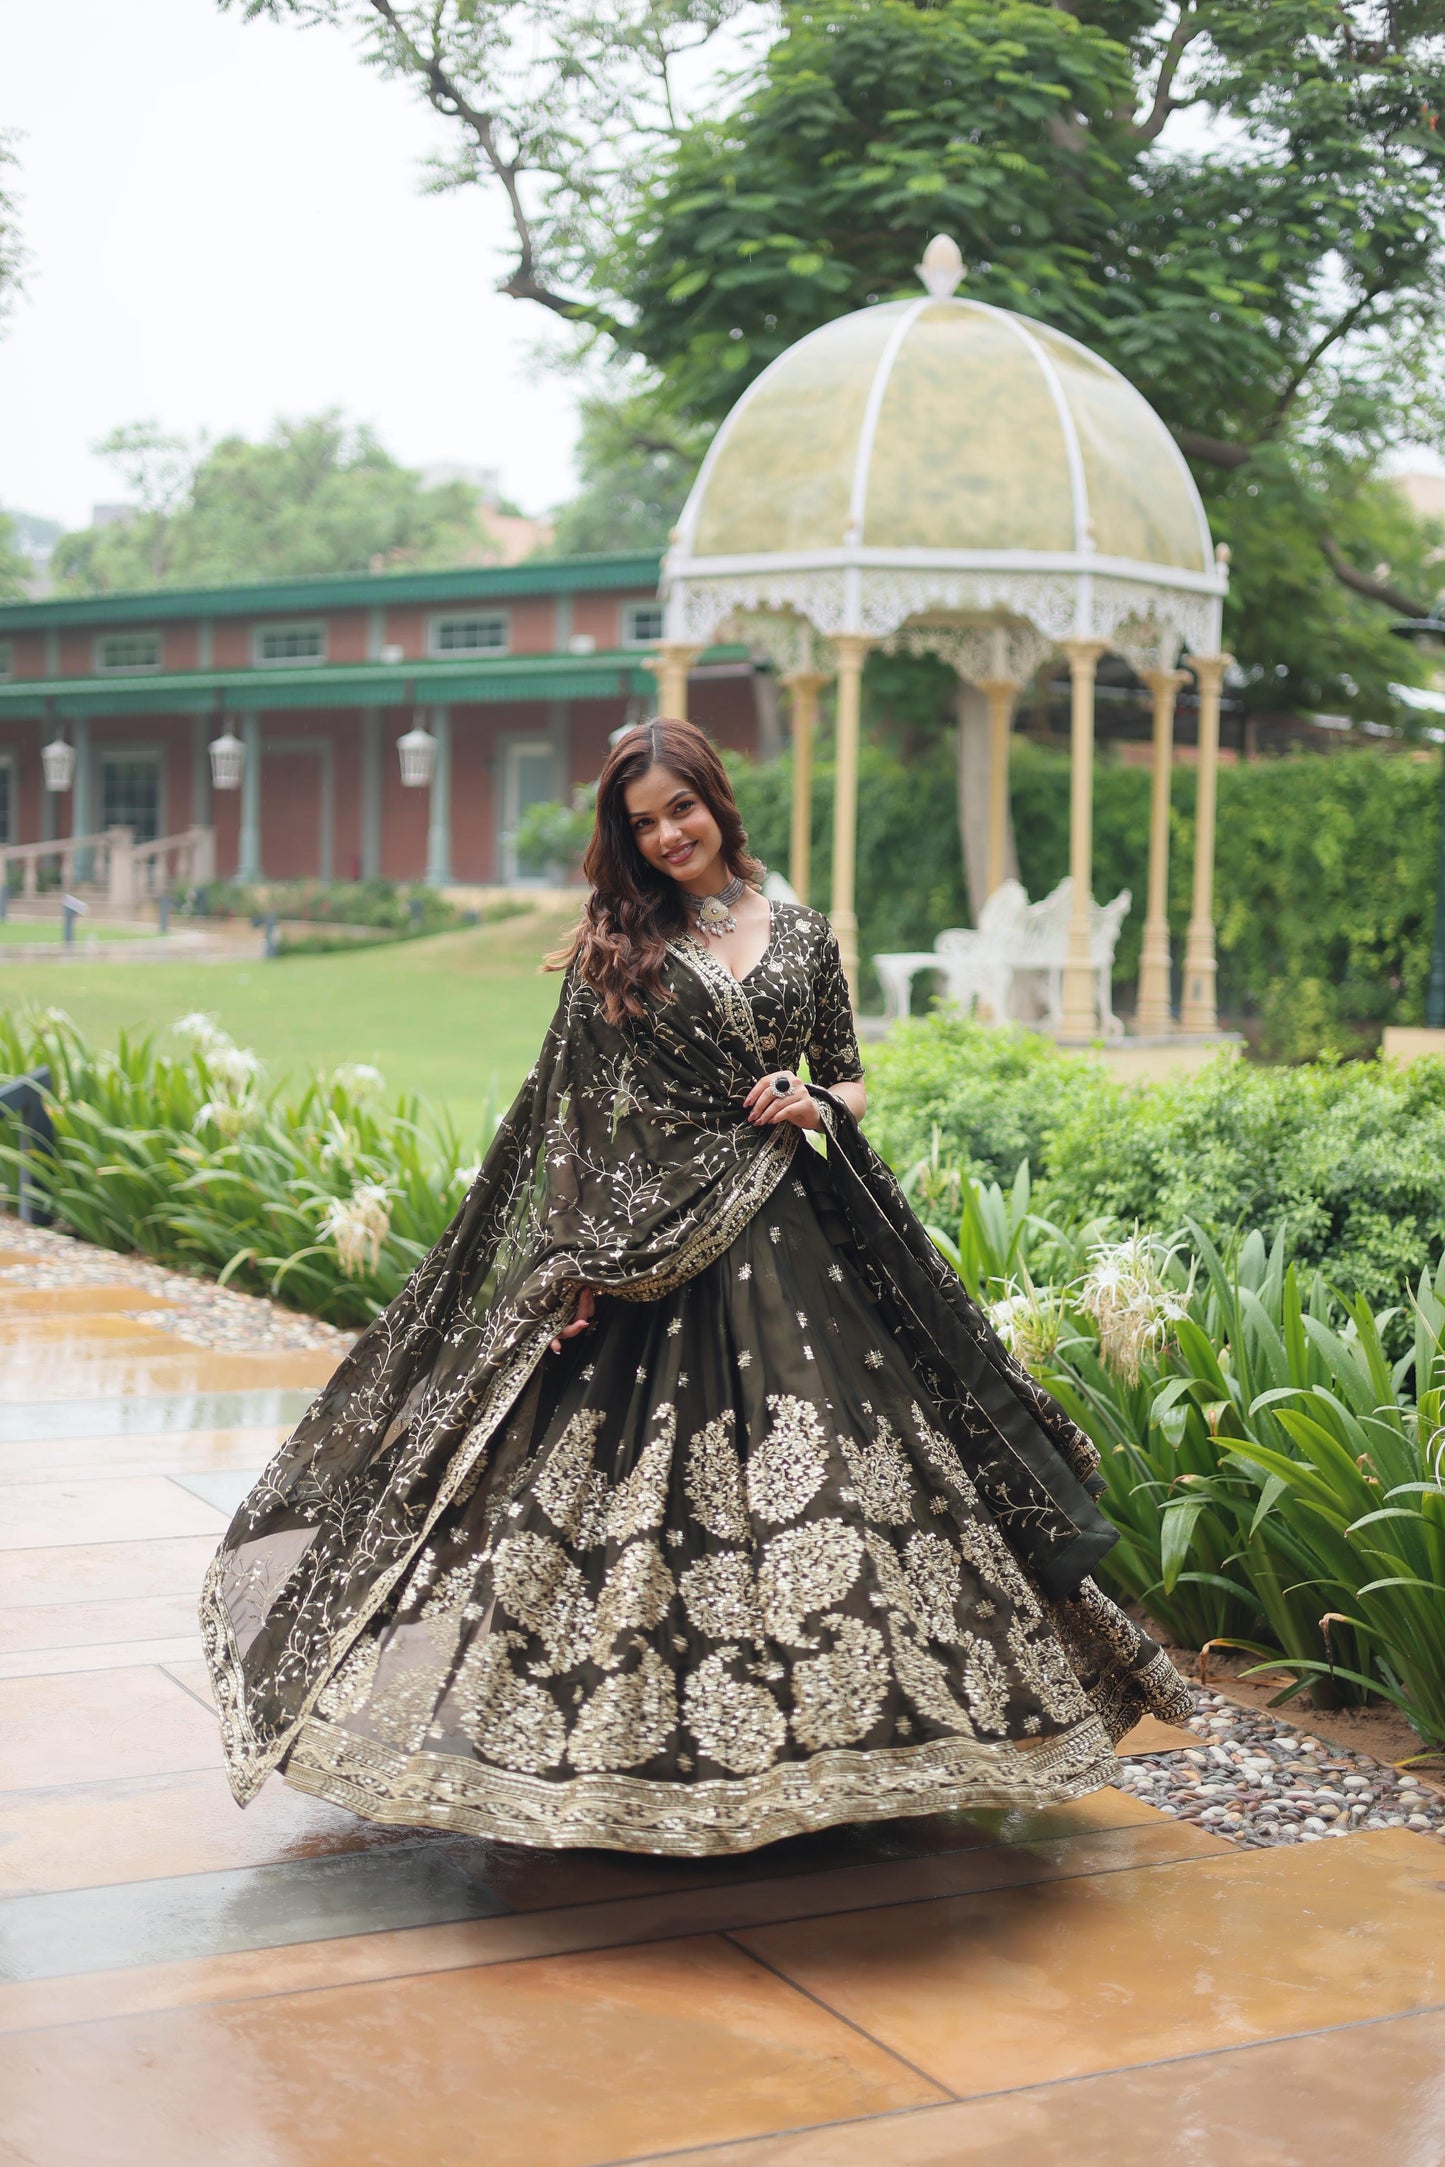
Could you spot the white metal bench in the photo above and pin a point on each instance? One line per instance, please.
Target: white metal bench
(1014, 939)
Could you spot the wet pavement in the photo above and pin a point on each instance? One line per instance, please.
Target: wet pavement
(185, 1985)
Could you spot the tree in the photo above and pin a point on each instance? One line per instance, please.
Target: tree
(12, 253)
(314, 496)
(635, 463)
(1277, 297)
(561, 105)
(15, 566)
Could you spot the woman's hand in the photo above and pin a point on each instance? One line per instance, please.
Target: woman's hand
(582, 1317)
(780, 1097)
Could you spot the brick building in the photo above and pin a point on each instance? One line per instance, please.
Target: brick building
(519, 673)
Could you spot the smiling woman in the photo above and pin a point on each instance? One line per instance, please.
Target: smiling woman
(683, 1500)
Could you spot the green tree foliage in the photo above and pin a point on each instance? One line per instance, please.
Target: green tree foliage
(12, 253)
(314, 496)
(1346, 1156)
(14, 564)
(635, 465)
(1324, 869)
(1274, 295)
(1324, 880)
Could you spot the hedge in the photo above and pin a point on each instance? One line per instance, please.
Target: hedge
(1325, 870)
(1349, 1156)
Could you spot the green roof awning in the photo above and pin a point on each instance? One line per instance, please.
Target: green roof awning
(370, 684)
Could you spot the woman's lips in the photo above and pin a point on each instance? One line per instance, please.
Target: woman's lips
(675, 857)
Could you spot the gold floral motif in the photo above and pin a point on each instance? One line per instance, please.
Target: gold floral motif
(636, 1595)
(839, 1696)
(985, 1682)
(935, 1576)
(788, 1467)
(404, 1693)
(881, 1475)
(736, 1724)
(1045, 1669)
(628, 1720)
(991, 1557)
(451, 1594)
(892, 1580)
(641, 1501)
(349, 1686)
(943, 1456)
(538, 1585)
(714, 1480)
(507, 1718)
(568, 1485)
(721, 1596)
(926, 1682)
(804, 1569)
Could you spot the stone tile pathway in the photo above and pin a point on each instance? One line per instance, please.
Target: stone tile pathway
(184, 1985)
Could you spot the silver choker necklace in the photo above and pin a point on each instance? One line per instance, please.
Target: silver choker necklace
(713, 913)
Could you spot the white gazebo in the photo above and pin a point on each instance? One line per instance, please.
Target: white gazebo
(945, 477)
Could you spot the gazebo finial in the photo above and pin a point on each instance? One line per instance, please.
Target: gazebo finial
(942, 267)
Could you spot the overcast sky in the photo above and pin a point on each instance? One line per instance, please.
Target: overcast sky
(226, 223)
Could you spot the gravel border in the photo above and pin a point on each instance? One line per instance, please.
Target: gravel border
(196, 1310)
(1258, 1781)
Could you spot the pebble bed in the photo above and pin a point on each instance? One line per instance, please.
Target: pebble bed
(1258, 1780)
(196, 1310)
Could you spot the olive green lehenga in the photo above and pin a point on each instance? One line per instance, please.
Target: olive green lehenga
(786, 1539)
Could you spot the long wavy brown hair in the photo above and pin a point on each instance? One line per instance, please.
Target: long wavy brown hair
(620, 944)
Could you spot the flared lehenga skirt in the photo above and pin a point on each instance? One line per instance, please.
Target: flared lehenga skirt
(723, 1578)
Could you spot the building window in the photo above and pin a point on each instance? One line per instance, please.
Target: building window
(641, 623)
(7, 658)
(480, 633)
(122, 653)
(281, 644)
(130, 794)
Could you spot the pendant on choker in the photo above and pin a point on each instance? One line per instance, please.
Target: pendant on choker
(712, 913)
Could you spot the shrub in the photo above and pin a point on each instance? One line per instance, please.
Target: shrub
(1325, 870)
(1349, 1156)
(319, 1197)
(1278, 1485)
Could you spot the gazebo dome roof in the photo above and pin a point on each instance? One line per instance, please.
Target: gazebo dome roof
(943, 425)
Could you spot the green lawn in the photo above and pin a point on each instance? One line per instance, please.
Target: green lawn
(45, 933)
(457, 1017)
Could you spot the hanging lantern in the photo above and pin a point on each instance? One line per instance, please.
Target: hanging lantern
(57, 759)
(228, 760)
(417, 752)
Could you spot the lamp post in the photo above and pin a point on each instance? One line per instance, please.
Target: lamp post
(1428, 634)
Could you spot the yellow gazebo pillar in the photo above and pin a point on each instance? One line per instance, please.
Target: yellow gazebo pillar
(1155, 989)
(852, 649)
(670, 664)
(1080, 1016)
(1001, 693)
(1198, 1011)
(803, 689)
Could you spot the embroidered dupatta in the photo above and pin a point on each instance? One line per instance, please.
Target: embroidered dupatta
(626, 1164)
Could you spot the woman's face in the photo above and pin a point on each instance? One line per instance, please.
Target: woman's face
(675, 831)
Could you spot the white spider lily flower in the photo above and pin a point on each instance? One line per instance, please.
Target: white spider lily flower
(338, 1153)
(201, 1029)
(226, 1116)
(1029, 1320)
(357, 1225)
(234, 1066)
(360, 1079)
(1127, 1295)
